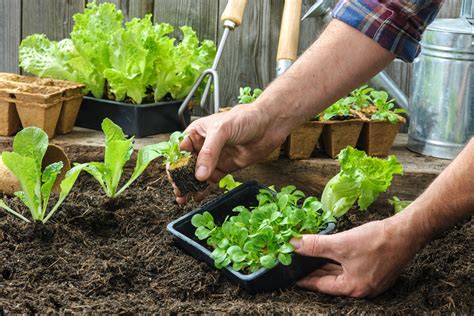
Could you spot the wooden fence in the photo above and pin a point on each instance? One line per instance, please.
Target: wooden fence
(249, 57)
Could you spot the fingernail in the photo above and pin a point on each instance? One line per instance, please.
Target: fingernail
(296, 242)
(201, 172)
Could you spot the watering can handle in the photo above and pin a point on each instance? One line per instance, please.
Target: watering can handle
(290, 30)
(234, 11)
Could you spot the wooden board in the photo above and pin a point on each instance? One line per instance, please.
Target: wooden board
(131, 8)
(50, 17)
(310, 175)
(10, 26)
(250, 52)
(200, 15)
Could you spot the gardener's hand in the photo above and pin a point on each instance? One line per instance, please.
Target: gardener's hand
(229, 141)
(370, 258)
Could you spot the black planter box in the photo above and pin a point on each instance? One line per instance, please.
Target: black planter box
(263, 280)
(135, 120)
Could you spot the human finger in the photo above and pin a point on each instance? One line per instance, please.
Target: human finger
(317, 246)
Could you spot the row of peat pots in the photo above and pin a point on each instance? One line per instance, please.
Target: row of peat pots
(51, 105)
(374, 137)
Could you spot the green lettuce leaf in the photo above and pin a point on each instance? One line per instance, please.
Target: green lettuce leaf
(362, 179)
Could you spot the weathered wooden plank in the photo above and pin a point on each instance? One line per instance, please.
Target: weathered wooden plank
(50, 17)
(450, 9)
(310, 175)
(250, 53)
(201, 15)
(10, 34)
(131, 8)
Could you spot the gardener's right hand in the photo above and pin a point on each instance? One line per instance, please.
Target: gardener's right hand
(229, 141)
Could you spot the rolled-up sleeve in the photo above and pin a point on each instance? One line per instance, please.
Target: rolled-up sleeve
(397, 25)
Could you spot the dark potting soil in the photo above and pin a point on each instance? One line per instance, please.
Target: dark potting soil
(116, 256)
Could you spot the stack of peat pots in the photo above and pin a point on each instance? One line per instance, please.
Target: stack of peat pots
(51, 105)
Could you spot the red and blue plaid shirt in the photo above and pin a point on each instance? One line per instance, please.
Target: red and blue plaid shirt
(396, 25)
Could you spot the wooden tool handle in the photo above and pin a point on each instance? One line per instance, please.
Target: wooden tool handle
(234, 11)
(290, 30)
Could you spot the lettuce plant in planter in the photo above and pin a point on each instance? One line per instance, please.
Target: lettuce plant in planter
(342, 126)
(379, 132)
(122, 65)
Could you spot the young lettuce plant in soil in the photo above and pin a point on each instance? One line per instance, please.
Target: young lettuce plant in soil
(259, 237)
(180, 165)
(398, 205)
(228, 183)
(118, 150)
(25, 162)
(361, 179)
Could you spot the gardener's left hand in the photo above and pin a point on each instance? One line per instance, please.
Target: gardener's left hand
(370, 258)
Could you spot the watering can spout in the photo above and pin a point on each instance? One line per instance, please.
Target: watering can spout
(322, 9)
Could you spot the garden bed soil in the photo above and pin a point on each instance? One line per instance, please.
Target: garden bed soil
(116, 256)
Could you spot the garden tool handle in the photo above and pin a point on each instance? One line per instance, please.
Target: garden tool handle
(290, 30)
(234, 11)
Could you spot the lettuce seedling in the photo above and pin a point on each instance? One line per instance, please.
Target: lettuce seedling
(362, 179)
(385, 111)
(248, 96)
(339, 109)
(180, 165)
(118, 150)
(25, 162)
(398, 205)
(228, 183)
(360, 98)
(259, 237)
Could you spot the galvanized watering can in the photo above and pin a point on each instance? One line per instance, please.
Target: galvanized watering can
(442, 97)
(442, 91)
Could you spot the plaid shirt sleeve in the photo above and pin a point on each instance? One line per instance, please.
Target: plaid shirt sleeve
(396, 25)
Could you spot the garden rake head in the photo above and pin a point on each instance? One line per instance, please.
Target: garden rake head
(231, 18)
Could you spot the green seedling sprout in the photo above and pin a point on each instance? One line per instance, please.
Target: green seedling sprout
(118, 150)
(259, 237)
(228, 183)
(385, 108)
(398, 205)
(248, 96)
(25, 162)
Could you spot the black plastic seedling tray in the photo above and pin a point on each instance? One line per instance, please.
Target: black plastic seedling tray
(263, 280)
(135, 120)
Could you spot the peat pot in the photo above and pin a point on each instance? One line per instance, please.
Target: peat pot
(135, 120)
(264, 279)
(302, 140)
(442, 98)
(337, 135)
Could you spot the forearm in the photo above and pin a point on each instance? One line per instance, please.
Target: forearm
(447, 200)
(339, 61)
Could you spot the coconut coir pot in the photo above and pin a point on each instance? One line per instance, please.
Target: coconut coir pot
(302, 140)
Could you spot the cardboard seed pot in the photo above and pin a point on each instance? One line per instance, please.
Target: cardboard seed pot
(337, 135)
(377, 137)
(44, 116)
(302, 141)
(9, 119)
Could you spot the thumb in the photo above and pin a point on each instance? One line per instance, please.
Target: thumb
(209, 154)
(323, 246)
